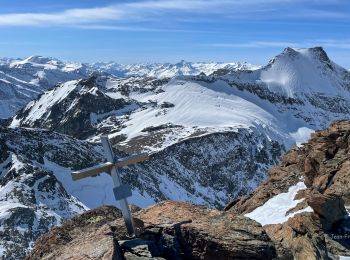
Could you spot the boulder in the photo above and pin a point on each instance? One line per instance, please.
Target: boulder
(330, 208)
(302, 235)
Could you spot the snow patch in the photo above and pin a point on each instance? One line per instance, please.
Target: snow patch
(274, 211)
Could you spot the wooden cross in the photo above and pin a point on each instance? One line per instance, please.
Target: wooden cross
(121, 191)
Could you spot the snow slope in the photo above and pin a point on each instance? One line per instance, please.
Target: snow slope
(198, 106)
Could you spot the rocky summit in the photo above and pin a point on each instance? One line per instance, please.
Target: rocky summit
(300, 212)
(168, 230)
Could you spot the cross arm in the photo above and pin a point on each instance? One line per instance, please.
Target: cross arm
(132, 159)
(92, 171)
(106, 167)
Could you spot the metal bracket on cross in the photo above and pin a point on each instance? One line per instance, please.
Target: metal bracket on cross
(121, 191)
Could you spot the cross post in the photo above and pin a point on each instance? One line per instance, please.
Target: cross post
(121, 191)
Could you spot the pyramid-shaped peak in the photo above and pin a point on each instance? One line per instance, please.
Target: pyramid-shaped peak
(182, 63)
(303, 70)
(317, 54)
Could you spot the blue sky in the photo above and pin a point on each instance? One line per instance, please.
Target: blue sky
(171, 30)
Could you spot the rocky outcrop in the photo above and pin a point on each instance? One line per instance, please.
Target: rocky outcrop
(323, 164)
(330, 208)
(85, 236)
(302, 235)
(169, 230)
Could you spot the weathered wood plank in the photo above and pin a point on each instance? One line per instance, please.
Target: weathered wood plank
(132, 159)
(106, 167)
(92, 171)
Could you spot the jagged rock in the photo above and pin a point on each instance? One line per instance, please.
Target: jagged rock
(173, 230)
(302, 234)
(323, 163)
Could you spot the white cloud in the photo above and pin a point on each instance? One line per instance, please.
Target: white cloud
(328, 43)
(253, 44)
(160, 9)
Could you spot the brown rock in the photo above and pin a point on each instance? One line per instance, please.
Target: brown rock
(172, 230)
(320, 183)
(341, 183)
(311, 166)
(324, 164)
(208, 234)
(302, 235)
(330, 208)
(77, 238)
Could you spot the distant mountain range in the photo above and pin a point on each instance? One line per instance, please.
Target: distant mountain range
(21, 80)
(168, 70)
(213, 129)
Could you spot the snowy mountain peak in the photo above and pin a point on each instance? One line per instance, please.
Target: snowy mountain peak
(289, 51)
(304, 70)
(317, 54)
(36, 61)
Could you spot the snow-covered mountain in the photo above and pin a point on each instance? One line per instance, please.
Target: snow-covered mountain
(212, 136)
(298, 88)
(231, 124)
(23, 80)
(168, 70)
